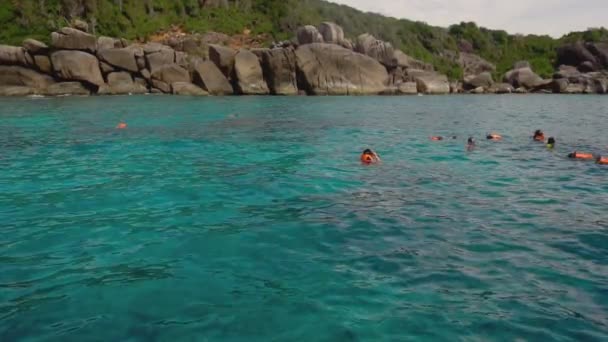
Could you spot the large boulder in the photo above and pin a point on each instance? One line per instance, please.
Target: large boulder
(105, 43)
(121, 83)
(407, 88)
(249, 75)
(501, 88)
(17, 91)
(280, 71)
(72, 39)
(186, 88)
(379, 50)
(171, 73)
(600, 51)
(66, 88)
(35, 47)
(78, 66)
(24, 77)
(223, 57)
(523, 77)
(159, 59)
(308, 35)
(121, 58)
(162, 86)
(472, 64)
(483, 80)
(331, 33)
(43, 63)
(568, 72)
(210, 78)
(14, 55)
(585, 56)
(327, 69)
(400, 59)
(432, 83)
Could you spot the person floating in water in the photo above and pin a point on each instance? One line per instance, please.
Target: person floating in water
(470, 144)
(581, 155)
(601, 160)
(551, 143)
(121, 125)
(494, 137)
(369, 157)
(437, 138)
(539, 136)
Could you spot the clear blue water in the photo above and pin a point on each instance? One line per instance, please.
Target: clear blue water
(251, 219)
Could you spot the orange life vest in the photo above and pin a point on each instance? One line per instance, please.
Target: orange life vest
(121, 125)
(602, 160)
(581, 155)
(367, 158)
(436, 138)
(539, 137)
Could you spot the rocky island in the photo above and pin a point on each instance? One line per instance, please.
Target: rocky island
(318, 60)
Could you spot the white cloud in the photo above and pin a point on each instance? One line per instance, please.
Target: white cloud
(553, 17)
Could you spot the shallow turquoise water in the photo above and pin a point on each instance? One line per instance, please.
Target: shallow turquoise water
(251, 219)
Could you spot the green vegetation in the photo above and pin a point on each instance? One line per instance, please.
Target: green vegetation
(138, 19)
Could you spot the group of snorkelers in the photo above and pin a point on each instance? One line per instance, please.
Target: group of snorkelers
(370, 157)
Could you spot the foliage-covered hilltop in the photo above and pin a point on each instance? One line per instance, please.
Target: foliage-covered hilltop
(278, 19)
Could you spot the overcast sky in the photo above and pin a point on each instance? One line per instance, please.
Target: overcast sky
(553, 17)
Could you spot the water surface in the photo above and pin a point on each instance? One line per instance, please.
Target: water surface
(250, 218)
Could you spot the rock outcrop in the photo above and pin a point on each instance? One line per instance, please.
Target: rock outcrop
(432, 83)
(523, 78)
(326, 69)
(73, 39)
(279, 67)
(483, 80)
(223, 57)
(77, 66)
(43, 63)
(171, 73)
(331, 33)
(67, 88)
(472, 64)
(404, 61)
(13, 55)
(158, 59)
(587, 57)
(123, 58)
(379, 50)
(121, 83)
(308, 35)
(35, 47)
(249, 75)
(24, 77)
(186, 88)
(209, 77)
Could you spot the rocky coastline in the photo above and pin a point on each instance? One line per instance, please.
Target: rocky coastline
(318, 61)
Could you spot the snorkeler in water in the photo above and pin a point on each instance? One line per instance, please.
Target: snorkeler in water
(369, 157)
(470, 144)
(580, 155)
(494, 137)
(539, 136)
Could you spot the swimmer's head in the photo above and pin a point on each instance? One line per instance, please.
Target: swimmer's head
(572, 155)
(551, 142)
(368, 151)
(538, 132)
(471, 141)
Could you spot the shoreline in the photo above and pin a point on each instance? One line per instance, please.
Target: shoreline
(318, 62)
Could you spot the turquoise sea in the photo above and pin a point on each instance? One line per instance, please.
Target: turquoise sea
(251, 219)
